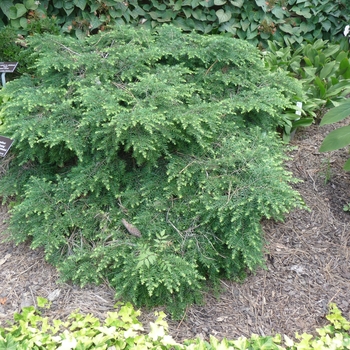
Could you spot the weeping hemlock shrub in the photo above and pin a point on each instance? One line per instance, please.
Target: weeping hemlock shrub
(147, 159)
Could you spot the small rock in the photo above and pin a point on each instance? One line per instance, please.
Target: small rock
(26, 302)
(221, 318)
(344, 304)
(298, 269)
(200, 336)
(54, 295)
(5, 258)
(345, 275)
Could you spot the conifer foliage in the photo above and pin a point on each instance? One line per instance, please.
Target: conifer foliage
(147, 159)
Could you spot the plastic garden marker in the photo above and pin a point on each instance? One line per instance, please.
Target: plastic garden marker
(5, 144)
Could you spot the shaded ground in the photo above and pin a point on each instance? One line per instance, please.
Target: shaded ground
(307, 266)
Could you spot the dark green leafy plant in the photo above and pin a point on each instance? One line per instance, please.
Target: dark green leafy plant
(147, 159)
(315, 19)
(14, 13)
(285, 21)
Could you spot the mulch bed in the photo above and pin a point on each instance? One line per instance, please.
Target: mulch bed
(307, 265)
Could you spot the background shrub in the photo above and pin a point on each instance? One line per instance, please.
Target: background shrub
(147, 159)
(286, 21)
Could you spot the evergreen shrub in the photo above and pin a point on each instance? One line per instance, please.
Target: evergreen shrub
(147, 159)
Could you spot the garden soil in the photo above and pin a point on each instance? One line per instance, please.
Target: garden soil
(307, 265)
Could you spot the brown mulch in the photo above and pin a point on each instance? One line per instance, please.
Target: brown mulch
(307, 265)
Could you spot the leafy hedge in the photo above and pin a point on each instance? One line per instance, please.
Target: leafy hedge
(147, 159)
(286, 21)
(123, 330)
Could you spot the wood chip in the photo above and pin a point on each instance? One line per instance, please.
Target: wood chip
(131, 228)
(4, 259)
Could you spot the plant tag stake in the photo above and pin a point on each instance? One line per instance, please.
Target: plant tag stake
(6, 67)
(299, 105)
(5, 144)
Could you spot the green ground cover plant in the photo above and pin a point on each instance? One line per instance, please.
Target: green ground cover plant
(147, 159)
(122, 330)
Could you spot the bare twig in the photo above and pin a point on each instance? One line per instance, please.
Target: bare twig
(67, 48)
